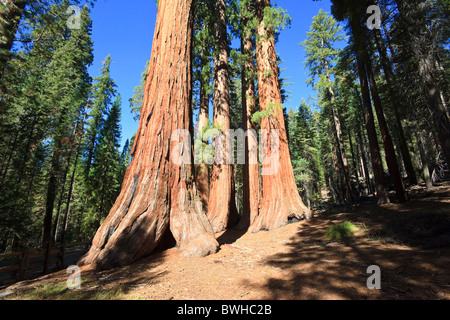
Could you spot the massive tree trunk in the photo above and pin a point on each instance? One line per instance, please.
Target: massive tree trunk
(251, 178)
(158, 191)
(222, 212)
(280, 201)
(391, 157)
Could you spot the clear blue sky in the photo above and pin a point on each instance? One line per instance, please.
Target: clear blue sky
(124, 29)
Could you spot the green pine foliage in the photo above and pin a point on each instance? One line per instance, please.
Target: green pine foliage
(61, 162)
(138, 95)
(305, 152)
(53, 111)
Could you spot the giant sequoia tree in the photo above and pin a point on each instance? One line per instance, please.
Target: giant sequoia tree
(158, 195)
(280, 201)
(251, 172)
(222, 211)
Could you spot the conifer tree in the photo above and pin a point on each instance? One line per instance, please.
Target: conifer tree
(138, 95)
(320, 59)
(107, 164)
(68, 70)
(343, 9)
(103, 92)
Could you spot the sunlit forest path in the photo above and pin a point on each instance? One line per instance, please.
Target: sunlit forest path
(409, 242)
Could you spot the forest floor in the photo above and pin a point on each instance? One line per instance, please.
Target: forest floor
(410, 242)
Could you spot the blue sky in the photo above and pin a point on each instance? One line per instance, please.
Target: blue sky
(124, 29)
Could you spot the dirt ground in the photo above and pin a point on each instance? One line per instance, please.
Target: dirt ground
(410, 243)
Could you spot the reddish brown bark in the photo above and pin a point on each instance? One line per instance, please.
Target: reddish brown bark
(395, 96)
(202, 170)
(391, 157)
(280, 201)
(157, 193)
(251, 175)
(377, 167)
(222, 212)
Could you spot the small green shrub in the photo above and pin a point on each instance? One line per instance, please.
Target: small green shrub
(341, 230)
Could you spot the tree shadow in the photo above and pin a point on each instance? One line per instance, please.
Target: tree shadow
(230, 236)
(118, 283)
(410, 242)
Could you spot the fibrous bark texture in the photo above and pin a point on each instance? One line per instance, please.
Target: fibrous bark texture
(202, 170)
(222, 212)
(251, 176)
(158, 192)
(280, 201)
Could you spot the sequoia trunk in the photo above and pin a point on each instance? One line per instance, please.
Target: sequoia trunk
(251, 179)
(158, 191)
(222, 212)
(202, 170)
(280, 201)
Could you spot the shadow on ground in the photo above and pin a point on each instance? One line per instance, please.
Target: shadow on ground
(410, 243)
(114, 284)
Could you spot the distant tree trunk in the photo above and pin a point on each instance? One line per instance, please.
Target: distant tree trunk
(72, 179)
(51, 193)
(63, 183)
(251, 177)
(361, 144)
(391, 157)
(439, 114)
(380, 180)
(429, 69)
(202, 170)
(377, 167)
(159, 191)
(354, 162)
(389, 75)
(342, 158)
(364, 166)
(69, 197)
(60, 200)
(425, 163)
(280, 201)
(222, 212)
